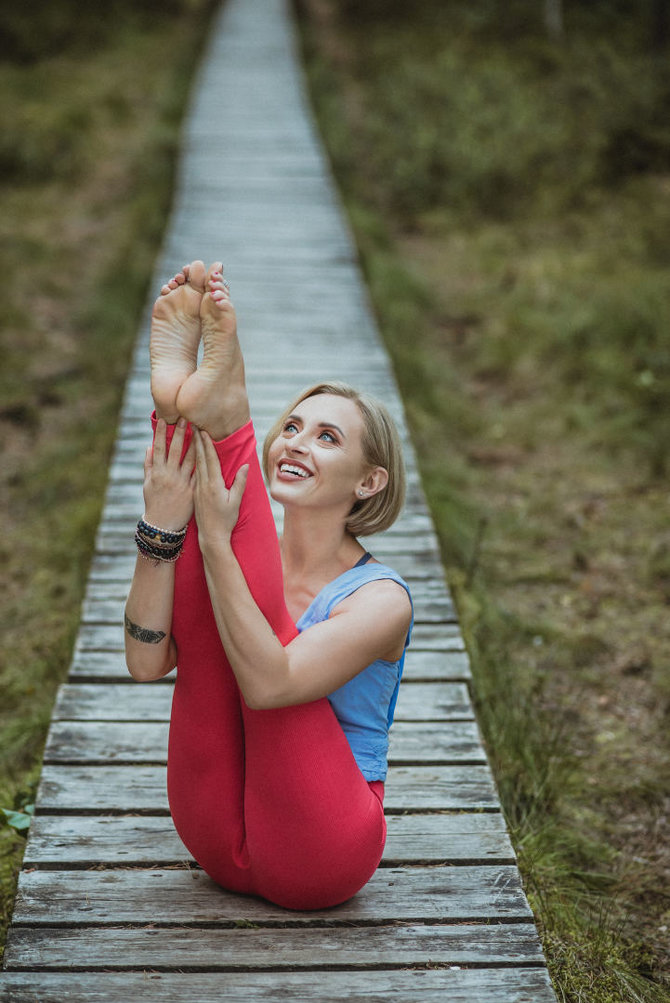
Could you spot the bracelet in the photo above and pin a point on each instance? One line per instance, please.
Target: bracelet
(150, 552)
(157, 535)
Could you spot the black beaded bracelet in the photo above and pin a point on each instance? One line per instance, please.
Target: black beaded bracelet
(157, 553)
(154, 533)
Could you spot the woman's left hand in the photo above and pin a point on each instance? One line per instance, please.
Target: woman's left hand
(216, 507)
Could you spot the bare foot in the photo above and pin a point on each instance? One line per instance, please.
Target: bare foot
(175, 335)
(214, 397)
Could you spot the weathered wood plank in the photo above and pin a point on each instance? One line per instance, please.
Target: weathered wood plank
(428, 636)
(465, 985)
(227, 950)
(428, 598)
(185, 896)
(103, 742)
(66, 841)
(138, 788)
(445, 665)
(145, 702)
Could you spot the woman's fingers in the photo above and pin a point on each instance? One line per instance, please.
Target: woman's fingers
(159, 441)
(200, 457)
(238, 485)
(213, 463)
(188, 463)
(177, 444)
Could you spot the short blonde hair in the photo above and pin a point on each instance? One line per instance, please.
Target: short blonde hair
(381, 448)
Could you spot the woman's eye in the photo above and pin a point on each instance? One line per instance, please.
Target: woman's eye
(290, 427)
(329, 437)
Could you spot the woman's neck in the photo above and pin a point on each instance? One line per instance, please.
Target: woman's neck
(314, 547)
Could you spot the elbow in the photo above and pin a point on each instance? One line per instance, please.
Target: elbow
(147, 673)
(143, 675)
(257, 701)
(257, 698)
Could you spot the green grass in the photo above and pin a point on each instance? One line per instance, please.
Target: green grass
(510, 200)
(91, 123)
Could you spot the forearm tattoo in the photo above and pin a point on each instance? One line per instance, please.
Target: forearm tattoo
(143, 633)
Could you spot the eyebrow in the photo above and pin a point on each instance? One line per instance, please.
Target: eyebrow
(322, 424)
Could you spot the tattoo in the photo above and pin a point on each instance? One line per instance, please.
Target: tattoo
(143, 633)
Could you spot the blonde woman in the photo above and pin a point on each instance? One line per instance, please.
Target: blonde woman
(288, 652)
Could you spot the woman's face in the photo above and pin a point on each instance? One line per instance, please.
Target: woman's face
(317, 458)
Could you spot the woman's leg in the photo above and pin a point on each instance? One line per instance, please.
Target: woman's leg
(314, 830)
(206, 745)
(267, 801)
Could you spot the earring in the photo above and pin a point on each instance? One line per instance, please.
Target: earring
(361, 494)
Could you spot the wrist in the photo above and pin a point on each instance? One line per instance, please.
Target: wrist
(216, 547)
(167, 522)
(158, 543)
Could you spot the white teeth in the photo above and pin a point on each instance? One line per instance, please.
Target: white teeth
(288, 468)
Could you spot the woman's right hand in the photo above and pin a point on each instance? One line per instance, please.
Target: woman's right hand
(169, 480)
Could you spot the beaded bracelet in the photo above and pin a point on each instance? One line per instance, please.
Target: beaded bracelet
(158, 554)
(156, 544)
(154, 533)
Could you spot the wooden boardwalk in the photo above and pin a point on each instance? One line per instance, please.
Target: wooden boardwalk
(110, 908)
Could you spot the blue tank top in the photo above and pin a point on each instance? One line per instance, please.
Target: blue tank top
(364, 706)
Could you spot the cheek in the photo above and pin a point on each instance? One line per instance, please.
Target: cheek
(273, 454)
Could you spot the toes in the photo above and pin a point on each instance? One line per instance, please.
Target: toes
(214, 270)
(196, 275)
(177, 280)
(218, 289)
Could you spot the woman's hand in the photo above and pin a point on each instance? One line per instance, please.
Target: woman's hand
(169, 480)
(216, 507)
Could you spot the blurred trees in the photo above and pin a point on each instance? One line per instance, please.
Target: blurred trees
(648, 19)
(39, 29)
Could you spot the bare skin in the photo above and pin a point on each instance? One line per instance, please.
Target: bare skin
(175, 336)
(189, 311)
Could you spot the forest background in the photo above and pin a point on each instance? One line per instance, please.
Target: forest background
(506, 170)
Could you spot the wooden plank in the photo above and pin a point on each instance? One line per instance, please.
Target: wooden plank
(102, 742)
(429, 636)
(140, 788)
(146, 702)
(110, 666)
(464, 985)
(108, 610)
(66, 841)
(423, 577)
(186, 896)
(255, 950)
(436, 637)
(410, 525)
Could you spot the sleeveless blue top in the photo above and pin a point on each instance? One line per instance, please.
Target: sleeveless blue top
(364, 706)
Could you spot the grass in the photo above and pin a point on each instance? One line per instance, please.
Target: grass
(510, 199)
(92, 114)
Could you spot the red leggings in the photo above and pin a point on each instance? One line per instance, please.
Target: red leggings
(269, 802)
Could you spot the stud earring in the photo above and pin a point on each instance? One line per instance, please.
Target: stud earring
(361, 494)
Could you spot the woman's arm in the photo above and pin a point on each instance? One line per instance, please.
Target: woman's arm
(150, 649)
(168, 498)
(366, 626)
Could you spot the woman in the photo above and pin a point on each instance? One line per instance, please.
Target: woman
(275, 789)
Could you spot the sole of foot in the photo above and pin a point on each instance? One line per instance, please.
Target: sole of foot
(175, 336)
(214, 397)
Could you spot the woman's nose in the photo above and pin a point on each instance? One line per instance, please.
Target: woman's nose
(296, 444)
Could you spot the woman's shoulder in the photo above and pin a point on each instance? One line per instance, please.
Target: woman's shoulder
(377, 587)
(368, 584)
(375, 581)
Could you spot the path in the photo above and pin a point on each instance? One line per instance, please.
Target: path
(109, 907)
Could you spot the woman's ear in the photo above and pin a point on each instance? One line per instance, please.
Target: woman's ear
(373, 482)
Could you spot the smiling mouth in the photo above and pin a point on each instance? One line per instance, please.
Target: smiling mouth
(294, 469)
